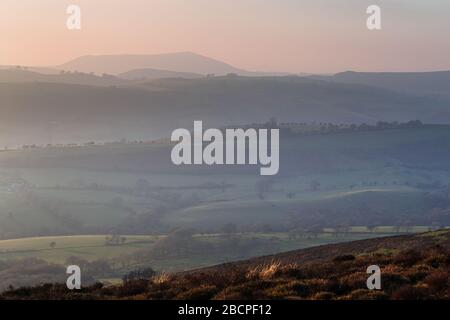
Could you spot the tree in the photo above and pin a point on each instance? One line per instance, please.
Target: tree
(82, 263)
(114, 240)
(264, 186)
(290, 195)
(314, 185)
(117, 202)
(142, 186)
(229, 228)
(273, 123)
(315, 230)
(343, 228)
(146, 273)
(408, 224)
(99, 267)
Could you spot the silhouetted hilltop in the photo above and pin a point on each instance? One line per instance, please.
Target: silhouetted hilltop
(178, 62)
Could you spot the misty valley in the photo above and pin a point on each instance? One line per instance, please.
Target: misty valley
(123, 207)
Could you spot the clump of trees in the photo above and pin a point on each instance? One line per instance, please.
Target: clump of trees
(146, 273)
(115, 240)
(293, 128)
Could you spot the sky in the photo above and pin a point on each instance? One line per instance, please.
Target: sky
(320, 36)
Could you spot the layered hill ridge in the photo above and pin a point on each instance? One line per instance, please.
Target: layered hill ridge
(139, 102)
(35, 111)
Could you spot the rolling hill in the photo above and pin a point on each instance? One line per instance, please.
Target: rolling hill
(412, 267)
(437, 82)
(43, 112)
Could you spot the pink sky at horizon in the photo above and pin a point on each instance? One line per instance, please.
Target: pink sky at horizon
(321, 36)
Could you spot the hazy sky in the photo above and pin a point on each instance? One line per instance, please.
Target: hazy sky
(263, 35)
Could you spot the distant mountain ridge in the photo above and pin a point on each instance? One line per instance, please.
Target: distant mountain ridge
(179, 62)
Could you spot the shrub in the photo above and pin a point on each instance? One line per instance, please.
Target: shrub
(354, 281)
(220, 278)
(437, 281)
(407, 258)
(162, 294)
(161, 278)
(393, 281)
(317, 285)
(264, 272)
(324, 295)
(409, 292)
(344, 257)
(292, 288)
(279, 292)
(292, 270)
(249, 290)
(366, 294)
(269, 271)
(199, 293)
(229, 294)
(437, 260)
(415, 275)
(131, 288)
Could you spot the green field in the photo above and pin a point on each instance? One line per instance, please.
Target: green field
(93, 247)
(89, 247)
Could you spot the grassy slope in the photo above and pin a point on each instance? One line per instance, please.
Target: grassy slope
(151, 109)
(320, 254)
(412, 267)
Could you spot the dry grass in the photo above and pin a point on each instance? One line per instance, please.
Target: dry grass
(162, 278)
